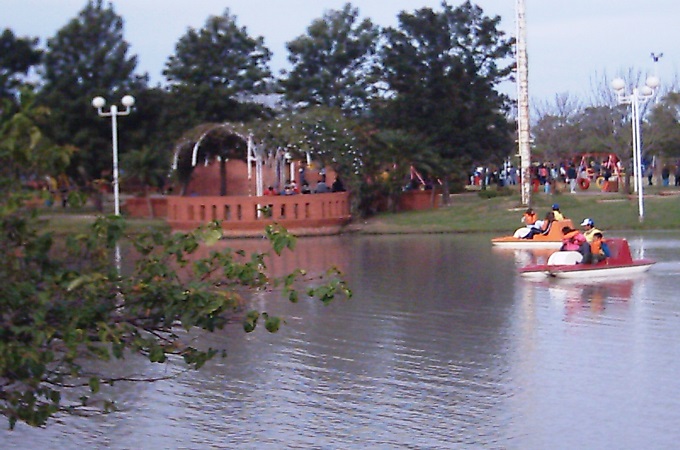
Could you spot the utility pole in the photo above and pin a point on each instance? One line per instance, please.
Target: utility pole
(523, 105)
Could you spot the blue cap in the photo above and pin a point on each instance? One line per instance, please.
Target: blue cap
(555, 206)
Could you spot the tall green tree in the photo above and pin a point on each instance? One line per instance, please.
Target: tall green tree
(148, 167)
(86, 58)
(26, 153)
(664, 129)
(17, 57)
(441, 70)
(217, 72)
(221, 56)
(333, 62)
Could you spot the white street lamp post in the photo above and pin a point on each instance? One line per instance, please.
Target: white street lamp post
(99, 102)
(635, 99)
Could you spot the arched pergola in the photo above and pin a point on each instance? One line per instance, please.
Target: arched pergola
(209, 142)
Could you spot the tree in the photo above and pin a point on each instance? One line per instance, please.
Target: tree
(216, 74)
(62, 309)
(65, 304)
(147, 166)
(324, 133)
(441, 71)
(220, 57)
(17, 57)
(555, 131)
(332, 64)
(86, 58)
(26, 153)
(664, 127)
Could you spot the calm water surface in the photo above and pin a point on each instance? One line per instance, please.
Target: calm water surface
(442, 346)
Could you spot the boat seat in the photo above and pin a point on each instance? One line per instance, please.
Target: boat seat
(562, 258)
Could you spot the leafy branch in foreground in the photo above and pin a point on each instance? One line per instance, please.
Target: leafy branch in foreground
(67, 303)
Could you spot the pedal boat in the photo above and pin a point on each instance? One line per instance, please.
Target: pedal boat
(568, 264)
(550, 239)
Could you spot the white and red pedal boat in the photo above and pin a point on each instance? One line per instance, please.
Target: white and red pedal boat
(566, 264)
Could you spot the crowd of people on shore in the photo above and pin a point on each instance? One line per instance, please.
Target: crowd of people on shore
(573, 174)
(291, 187)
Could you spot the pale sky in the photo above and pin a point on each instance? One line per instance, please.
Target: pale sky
(571, 44)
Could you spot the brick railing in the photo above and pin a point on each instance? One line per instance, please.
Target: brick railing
(254, 213)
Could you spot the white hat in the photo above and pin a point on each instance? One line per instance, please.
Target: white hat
(587, 222)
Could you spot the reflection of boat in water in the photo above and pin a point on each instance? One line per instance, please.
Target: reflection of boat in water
(578, 295)
(567, 264)
(551, 239)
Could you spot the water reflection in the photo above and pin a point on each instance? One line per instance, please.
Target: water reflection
(443, 346)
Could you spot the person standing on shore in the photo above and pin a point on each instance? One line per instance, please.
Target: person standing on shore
(571, 178)
(666, 175)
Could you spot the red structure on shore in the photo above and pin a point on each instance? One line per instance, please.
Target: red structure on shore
(222, 174)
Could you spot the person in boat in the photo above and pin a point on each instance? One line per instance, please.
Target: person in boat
(589, 229)
(599, 249)
(529, 217)
(556, 212)
(574, 241)
(540, 226)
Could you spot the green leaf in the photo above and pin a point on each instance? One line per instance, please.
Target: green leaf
(272, 324)
(94, 385)
(157, 354)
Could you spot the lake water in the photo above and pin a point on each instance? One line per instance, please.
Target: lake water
(442, 346)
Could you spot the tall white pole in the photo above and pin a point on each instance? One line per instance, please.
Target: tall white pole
(633, 126)
(637, 149)
(99, 102)
(114, 140)
(523, 104)
(635, 99)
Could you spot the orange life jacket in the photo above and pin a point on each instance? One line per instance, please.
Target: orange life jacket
(596, 247)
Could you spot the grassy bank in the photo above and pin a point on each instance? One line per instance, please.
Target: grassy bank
(470, 212)
(78, 221)
(467, 212)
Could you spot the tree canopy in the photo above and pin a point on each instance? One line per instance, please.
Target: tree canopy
(441, 70)
(17, 57)
(86, 58)
(221, 56)
(333, 62)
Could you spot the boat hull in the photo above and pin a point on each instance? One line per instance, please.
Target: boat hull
(582, 271)
(551, 239)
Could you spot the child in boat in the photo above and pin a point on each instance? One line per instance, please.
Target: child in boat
(573, 240)
(556, 212)
(529, 219)
(599, 248)
(540, 226)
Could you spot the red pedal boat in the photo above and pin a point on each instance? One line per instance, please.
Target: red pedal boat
(568, 264)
